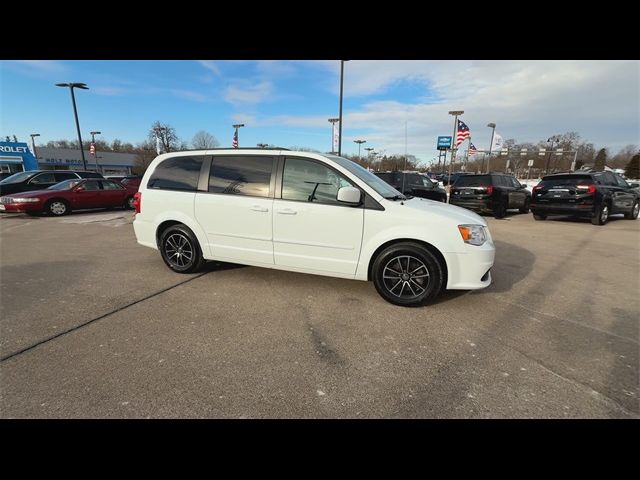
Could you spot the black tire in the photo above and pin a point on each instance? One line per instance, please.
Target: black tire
(57, 207)
(525, 209)
(180, 249)
(633, 214)
(128, 203)
(422, 274)
(500, 211)
(539, 216)
(601, 214)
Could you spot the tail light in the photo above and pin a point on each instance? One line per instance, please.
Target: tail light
(537, 188)
(490, 190)
(590, 188)
(137, 201)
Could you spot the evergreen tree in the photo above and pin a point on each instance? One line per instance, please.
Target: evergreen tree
(633, 167)
(601, 159)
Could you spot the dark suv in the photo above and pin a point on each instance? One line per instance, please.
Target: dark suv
(415, 184)
(593, 194)
(490, 193)
(40, 180)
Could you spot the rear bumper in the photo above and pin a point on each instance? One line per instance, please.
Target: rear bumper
(145, 233)
(484, 206)
(562, 209)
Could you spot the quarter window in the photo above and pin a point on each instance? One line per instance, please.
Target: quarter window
(241, 175)
(178, 173)
(309, 181)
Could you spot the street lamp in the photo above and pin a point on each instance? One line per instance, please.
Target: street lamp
(552, 139)
(359, 142)
(71, 86)
(340, 119)
(236, 141)
(93, 144)
(333, 122)
(455, 114)
(493, 132)
(33, 144)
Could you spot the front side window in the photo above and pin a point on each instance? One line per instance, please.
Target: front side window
(241, 175)
(309, 181)
(178, 173)
(620, 181)
(43, 178)
(91, 185)
(515, 183)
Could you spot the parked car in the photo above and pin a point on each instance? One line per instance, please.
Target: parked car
(311, 213)
(595, 195)
(40, 179)
(415, 184)
(4, 175)
(74, 194)
(132, 181)
(490, 193)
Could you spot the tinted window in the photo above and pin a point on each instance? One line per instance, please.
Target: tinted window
(89, 174)
(565, 181)
(60, 176)
(91, 185)
(18, 177)
(110, 185)
(43, 178)
(514, 183)
(308, 181)
(605, 178)
(236, 175)
(178, 173)
(473, 181)
(387, 177)
(620, 181)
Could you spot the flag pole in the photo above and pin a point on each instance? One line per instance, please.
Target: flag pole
(453, 152)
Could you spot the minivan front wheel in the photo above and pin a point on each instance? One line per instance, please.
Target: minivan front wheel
(407, 274)
(180, 250)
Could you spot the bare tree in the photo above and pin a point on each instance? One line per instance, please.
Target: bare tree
(168, 137)
(146, 152)
(203, 140)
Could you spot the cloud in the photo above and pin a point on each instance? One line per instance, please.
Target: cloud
(110, 91)
(187, 94)
(210, 65)
(250, 94)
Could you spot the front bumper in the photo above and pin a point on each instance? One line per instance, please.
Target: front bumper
(20, 207)
(470, 270)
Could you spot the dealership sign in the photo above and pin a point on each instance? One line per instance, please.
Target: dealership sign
(17, 152)
(444, 143)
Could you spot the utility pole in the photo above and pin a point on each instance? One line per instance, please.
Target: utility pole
(493, 132)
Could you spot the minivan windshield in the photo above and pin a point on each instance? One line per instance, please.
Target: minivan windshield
(18, 177)
(379, 185)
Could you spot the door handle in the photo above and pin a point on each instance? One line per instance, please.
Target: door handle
(287, 211)
(258, 208)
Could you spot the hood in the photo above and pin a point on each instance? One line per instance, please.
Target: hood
(456, 214)
(30, 193)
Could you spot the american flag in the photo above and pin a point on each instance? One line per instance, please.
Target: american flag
(92, 149)
(463, 133)
(472, 148)
(235, 139)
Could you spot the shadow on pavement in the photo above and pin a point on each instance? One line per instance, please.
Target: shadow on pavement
(512, 264)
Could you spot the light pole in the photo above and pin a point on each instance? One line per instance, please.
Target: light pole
(71, 86)
(359, 142)
(333, 122)
(340, 119)
(493, 132)
(33, 144)
(236, 140)
(93, 143)
(552, 139)
(455, 114)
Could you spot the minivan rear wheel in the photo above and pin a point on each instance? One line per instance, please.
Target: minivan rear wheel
(407, 274)
(180, 249)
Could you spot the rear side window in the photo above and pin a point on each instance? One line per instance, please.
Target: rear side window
(238, 175)
(473, 181)
(178, 173)
(111, 185)
(61, 176)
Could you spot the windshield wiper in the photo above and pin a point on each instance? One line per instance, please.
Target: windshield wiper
(396, 197)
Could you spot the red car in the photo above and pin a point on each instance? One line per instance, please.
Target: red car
(75, 194)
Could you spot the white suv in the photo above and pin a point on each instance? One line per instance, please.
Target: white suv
(310, 213)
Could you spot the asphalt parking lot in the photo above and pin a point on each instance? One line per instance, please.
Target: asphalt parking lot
(94, 325)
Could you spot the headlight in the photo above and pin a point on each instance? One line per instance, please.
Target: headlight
(24, 200)
(473, 234)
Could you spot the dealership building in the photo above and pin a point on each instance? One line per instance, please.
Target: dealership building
(16, 157)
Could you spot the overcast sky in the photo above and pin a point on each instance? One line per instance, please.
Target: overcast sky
(287, 103)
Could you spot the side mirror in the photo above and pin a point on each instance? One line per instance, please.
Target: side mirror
(634, 185)
(349, 195)
(80, 189)
(523, 185)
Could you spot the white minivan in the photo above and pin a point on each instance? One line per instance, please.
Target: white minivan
(310, 213)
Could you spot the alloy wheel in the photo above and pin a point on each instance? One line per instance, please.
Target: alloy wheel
(179, 250)
(405, 277)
